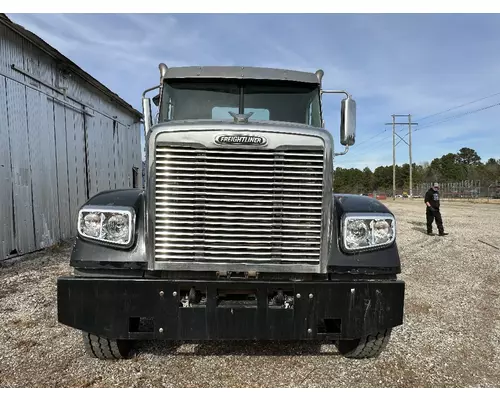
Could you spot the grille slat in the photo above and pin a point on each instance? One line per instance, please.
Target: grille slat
(228, 224)
(233, 205)
(188, 165)
(233, 259)
(171, 200)
(233, 251)
(259, 217)
(229, 209)
(220, 204)
(228, 239)
(219, 232)
(210, 173)
(247, 181)
(276, 162)
(242, 248)
(271, 189)
(160, 193)
(223, 152)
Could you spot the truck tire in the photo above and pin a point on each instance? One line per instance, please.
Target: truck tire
(368, 347)
(106, 349)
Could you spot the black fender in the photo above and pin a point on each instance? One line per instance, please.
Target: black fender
(375, 262)
(98, 256)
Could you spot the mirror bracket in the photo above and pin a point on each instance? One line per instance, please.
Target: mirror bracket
(346, 149)
(146, 110)
(348, 119)
(336, 91)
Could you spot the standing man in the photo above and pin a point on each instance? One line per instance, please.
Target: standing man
(432, 202)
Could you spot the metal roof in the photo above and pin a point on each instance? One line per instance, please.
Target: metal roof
(236, 72)
(66, 63)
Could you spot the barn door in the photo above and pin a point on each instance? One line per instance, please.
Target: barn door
(76, 169)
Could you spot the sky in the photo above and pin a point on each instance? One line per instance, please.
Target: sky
(418, 64)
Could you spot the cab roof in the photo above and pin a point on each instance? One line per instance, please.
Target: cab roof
(238, 72)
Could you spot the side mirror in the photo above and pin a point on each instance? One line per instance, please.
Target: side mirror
(146, 111)
(348, 122)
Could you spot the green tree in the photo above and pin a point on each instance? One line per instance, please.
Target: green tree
(367, 180)
(452, 167)
(403, 176)
(418, 173)
(489, 172)
(382, 179)
(467, 156)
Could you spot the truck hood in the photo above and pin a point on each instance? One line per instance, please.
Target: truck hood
(227, 125)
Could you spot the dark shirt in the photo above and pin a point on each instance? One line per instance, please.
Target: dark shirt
(432, 197)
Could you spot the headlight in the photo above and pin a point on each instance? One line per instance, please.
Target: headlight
(113, 225)
(366, 231)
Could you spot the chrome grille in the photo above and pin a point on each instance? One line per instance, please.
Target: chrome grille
(238, 206)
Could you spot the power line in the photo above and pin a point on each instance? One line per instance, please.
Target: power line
(458, 116)
(428, 125)
(367, 151)
(372, 137)
(435, 114)
(459, 106)
(372, 148)
(453, 117)
(375, 142)
(347, 160)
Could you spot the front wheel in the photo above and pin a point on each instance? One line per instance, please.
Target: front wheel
(368, 347)
(106, 349)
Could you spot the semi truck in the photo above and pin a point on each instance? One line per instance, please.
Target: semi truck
(238, 233)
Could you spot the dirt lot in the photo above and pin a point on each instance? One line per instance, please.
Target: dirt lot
(450, 337)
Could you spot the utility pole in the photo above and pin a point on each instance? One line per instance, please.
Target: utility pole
(393, 157)
(409, 147)
(394, 134)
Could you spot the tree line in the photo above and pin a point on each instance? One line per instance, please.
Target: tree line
(466, 164)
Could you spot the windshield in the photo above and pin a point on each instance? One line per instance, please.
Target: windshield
(267, 100)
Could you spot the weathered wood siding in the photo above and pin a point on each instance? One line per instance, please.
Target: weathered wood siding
(57, 147)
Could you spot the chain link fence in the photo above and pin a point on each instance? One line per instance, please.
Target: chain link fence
(461, 190)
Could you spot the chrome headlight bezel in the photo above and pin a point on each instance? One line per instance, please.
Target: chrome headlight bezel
(369, 219)
(108, 212)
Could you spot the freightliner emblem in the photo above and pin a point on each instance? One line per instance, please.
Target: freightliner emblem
(250, 140)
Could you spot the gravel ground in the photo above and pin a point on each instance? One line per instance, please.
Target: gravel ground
(450, 336)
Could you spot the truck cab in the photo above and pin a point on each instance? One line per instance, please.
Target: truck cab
(237, 234)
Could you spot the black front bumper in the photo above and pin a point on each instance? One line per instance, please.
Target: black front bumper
(112, 308)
